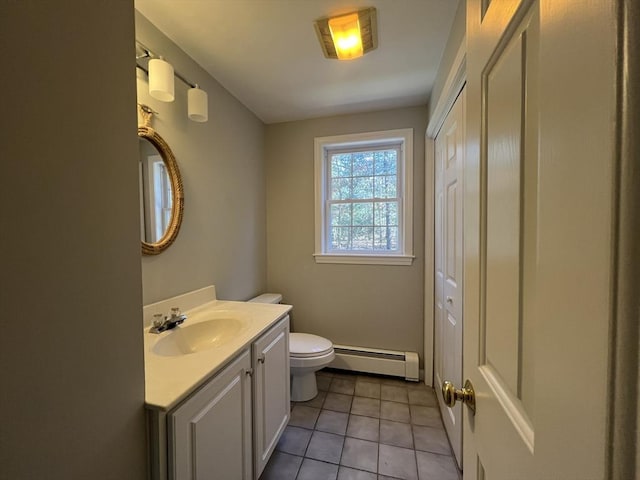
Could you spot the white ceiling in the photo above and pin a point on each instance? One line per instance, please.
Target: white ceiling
(266, 52)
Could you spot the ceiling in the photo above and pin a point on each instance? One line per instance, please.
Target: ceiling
(267, 54)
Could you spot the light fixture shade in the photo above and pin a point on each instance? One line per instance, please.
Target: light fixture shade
(197, 105)
(161, 80)
(338, 37)
(347, 39)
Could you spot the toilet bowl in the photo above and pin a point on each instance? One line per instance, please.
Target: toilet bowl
(307, 354)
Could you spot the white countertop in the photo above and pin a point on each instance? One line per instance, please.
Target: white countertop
(170, 379)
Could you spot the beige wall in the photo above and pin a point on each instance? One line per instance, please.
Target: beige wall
(72, 375)
(222, 240)
(364, 305)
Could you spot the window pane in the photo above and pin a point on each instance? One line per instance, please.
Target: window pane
(341, 188)
(341, 165)
(362, 187)
(362, 238)
(386, 186)
(385, 238)
(339, 238)
(362, 164)
(386, 213)
(386, 162)
(363, 214)
(341, 214)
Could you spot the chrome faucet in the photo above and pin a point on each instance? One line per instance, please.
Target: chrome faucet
(163, 323)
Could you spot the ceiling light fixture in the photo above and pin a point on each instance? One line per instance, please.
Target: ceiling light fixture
(161, 84)
(348, 36)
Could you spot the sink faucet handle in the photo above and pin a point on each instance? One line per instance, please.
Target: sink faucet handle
(158, 319)
(175, 312)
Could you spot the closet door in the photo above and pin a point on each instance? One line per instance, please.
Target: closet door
(449, 158)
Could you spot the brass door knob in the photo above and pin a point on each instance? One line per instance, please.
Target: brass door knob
(467, 395)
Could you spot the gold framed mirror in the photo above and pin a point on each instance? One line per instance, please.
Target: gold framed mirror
(161, 192)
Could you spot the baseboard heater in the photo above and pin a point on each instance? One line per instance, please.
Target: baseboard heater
(371, 360)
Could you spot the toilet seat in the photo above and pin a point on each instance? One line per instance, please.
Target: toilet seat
(313, 363)
(306, 345)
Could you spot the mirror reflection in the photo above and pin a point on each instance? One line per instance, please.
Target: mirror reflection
(161, 194)
(156, 198)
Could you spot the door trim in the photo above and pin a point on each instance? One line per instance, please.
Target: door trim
(456, 79)
(623, 459)
(429, 259)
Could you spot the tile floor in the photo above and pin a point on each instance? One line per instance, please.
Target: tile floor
(363, 427)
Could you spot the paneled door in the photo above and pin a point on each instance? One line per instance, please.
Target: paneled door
(538, 242)
(449, 159)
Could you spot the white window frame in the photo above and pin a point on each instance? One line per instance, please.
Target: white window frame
(322, 146)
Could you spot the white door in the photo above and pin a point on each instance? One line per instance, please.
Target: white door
(449, 158)
(538, 237)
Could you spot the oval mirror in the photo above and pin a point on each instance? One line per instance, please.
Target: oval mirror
(161, 195)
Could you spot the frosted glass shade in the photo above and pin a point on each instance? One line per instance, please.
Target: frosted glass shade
(346, 35)
(197, 105)
(161, 80)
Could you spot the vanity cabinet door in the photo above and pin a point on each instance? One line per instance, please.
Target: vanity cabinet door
(210, 433)
(271, 391)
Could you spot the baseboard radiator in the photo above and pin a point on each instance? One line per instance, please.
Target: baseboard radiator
(371, 360)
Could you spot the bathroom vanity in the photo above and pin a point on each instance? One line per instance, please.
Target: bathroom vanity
(217, 388)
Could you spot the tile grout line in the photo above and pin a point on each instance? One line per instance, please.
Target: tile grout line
(378, 450)
(343, 442)
(415, 458)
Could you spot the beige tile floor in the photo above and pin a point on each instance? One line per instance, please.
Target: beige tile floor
(363, 427)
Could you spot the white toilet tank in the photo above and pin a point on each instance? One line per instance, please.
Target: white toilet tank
(267, 298)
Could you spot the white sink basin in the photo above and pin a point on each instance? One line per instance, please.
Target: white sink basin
(197, 337)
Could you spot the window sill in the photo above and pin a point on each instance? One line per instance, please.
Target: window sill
(364, 259)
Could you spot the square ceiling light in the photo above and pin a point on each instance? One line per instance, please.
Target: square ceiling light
(348, 36)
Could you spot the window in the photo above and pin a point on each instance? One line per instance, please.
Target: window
(364, 198)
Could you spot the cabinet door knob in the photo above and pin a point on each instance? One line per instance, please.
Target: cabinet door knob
(249, 372)
(261, 358)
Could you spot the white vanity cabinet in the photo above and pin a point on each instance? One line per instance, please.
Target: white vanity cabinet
(210, 433)
(228, 428)
(271, 393)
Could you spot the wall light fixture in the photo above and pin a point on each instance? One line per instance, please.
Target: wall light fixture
(162, 84)
(161, 81)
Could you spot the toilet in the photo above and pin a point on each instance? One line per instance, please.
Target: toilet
(307, 354)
